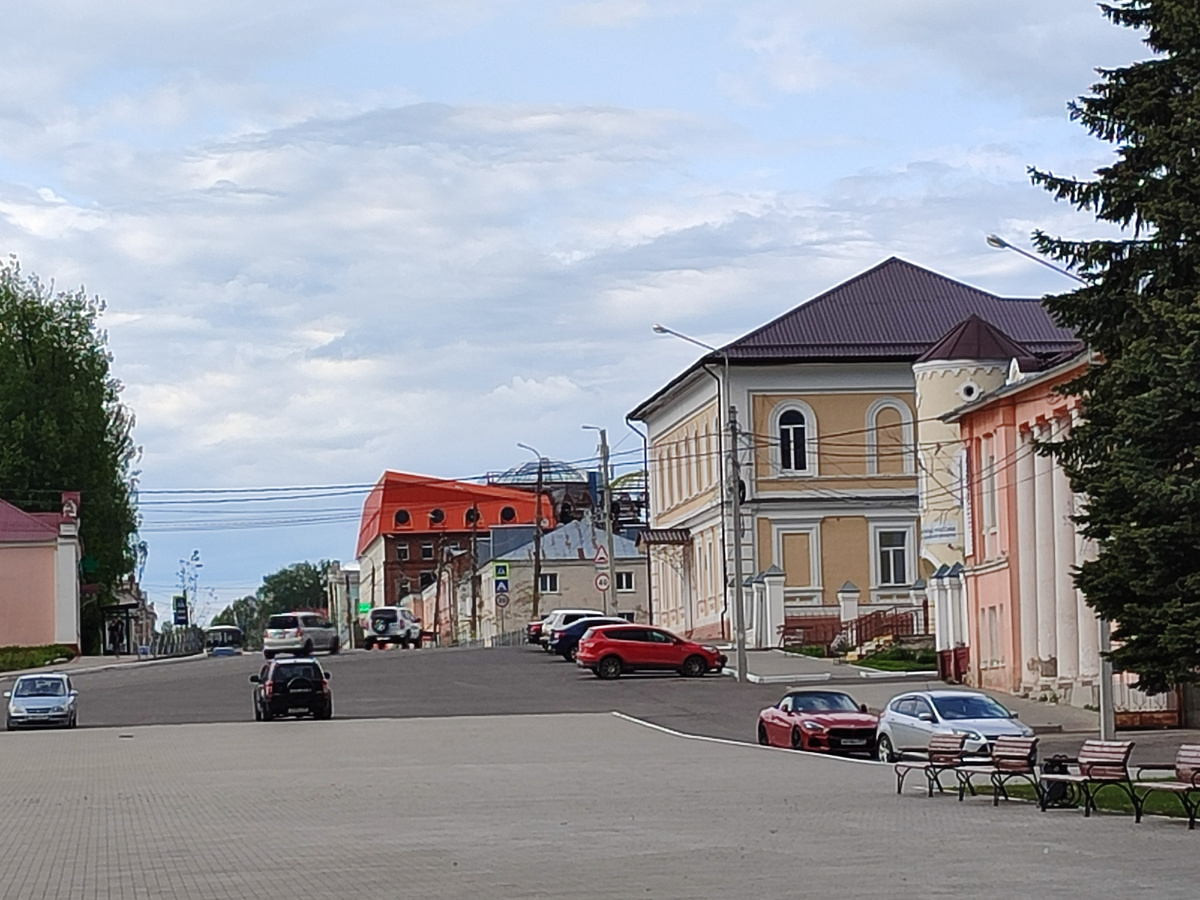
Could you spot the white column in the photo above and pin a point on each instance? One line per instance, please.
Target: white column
(1043, 511)
(1027, 641)
(1066, 604)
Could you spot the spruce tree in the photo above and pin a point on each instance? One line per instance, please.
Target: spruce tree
(1136, 453)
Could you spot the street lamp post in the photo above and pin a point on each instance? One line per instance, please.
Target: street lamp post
(537, 532)
(610, 593)
(1000, 243)
(739, 624)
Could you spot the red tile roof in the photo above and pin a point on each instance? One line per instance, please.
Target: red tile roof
(20, 527)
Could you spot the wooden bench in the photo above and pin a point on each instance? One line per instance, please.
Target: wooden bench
(1186, 783)
(944, 755)
(1012, 757)
(1100, 763)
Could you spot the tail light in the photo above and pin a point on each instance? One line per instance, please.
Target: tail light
(558, 633)
(299, 632)
(269, 689)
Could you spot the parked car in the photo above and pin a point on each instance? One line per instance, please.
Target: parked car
(42, 699)
(821, 720)
(533, 632)
(300, 633)
(610, 650)
(564, 641)
(557, 618)
(295, 686)
(908, 721)
(391, 625)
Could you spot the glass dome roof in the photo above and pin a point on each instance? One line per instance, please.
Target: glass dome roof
(553, 472)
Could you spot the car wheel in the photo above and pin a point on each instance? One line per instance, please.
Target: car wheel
(308, 648)
(334, 647)
(763, 737)
(8, 725)
(268, 654)
(416, 641)
(267, 715)
(325, 713)
(884, 751)
(74, 720)
(369, 644)
(693, 667)
(404, 643)
(609, 668)
(257, 712)
(574, 653)
(797, 739)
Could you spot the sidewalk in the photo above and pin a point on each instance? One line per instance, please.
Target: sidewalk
(84, 664)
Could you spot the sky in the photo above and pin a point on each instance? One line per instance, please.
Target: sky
(336, 238)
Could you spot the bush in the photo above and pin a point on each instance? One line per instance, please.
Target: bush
(32, 657)
(901, 659)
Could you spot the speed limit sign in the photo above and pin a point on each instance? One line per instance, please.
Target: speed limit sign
(602, 581)
(501, 600)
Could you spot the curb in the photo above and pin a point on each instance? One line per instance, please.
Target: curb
(87, 670)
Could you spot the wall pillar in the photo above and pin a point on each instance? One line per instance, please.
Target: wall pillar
(1043, 511)
(1025, 649)
(1066, 606)
(773, 578)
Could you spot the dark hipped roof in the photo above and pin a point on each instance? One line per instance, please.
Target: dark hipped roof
(893, 312)
(976, 339)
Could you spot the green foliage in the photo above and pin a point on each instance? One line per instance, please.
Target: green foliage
(62, 425)
(13, 658)
(1136, 454)
(298, 586)
(901, 659)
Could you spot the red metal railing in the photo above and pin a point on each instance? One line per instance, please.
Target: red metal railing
(896, 621)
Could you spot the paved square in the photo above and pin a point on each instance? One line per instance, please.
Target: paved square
(579, 806)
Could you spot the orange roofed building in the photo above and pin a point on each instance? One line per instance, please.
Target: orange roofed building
(410, 523)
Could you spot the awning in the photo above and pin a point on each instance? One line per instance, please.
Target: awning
(656, 536)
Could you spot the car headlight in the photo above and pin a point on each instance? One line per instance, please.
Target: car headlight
(971, 735)
(813, 726)
(59, 709)
(709, 649)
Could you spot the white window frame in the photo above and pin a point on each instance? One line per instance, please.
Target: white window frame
(910, 552)
(906, 434)
(548, 578)
(810, 440)
(620, 576)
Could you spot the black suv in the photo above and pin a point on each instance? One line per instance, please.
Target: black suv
(292, 687)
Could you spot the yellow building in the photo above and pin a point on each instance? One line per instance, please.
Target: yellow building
(826, 401)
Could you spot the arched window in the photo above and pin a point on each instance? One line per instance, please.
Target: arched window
(890, 443)
(793, 441)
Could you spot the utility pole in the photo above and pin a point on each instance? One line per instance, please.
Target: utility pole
(735, 474)
(1108, 724)
(537, 544)
(474, 514)
(610, 594)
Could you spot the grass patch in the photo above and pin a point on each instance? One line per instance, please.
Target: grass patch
(1111, 798)
(901, 659)
(815, 650)
(32, 657)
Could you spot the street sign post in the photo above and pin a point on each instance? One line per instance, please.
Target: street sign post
(181, 611)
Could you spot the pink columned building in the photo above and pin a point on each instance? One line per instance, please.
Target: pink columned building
(1030, 630)
(39, 575)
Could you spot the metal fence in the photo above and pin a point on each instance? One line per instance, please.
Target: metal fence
(175, 643)
(504, 639)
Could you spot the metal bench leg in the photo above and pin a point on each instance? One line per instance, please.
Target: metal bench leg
(1087, 800)
(1043, 795)
(1191, 811)
(1139, 804)
(900, 776)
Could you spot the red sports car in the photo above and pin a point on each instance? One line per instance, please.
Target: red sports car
(822, 720)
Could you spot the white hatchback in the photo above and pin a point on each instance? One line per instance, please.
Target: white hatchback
(909, 720)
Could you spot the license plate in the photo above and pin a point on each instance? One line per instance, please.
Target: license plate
(854, 742)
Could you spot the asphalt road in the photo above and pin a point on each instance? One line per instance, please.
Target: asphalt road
(427, 683)
(504, 681)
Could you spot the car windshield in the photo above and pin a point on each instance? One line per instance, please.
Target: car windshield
(824, 701)
(297, 670)
(40, 687)
(970, 706)
(282, 622)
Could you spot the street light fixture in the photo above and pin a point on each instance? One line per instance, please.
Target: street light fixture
(1001, 244)
(537, 532)
(739, 623)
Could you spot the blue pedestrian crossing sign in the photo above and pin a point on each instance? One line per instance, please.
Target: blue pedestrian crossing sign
(501, 585)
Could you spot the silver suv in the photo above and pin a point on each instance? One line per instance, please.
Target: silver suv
(391, 625)
(299, 633)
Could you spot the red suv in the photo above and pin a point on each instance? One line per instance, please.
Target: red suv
(609, 650)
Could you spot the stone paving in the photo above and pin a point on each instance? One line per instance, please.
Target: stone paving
(572, 806)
